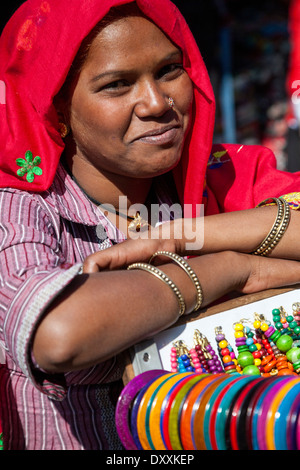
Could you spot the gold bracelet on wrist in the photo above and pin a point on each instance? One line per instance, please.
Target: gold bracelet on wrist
(190, 272)
(278, 229)
(163, 277)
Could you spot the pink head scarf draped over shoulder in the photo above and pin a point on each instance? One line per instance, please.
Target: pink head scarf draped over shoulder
(37, 48)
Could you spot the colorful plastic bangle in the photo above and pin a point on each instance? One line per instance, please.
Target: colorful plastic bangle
(265, 406)
(211, 411)
(219, 422)
(198, 417)
(237, 430)
(188, 408)
(175, 410)
(141, 415)
(153, 418)
(272, 414)
(125, 400)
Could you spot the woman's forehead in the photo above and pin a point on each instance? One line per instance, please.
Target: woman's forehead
(128, 38)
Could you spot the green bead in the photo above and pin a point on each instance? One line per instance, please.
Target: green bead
(293, 324)
(289, 318)
(276, 318)
(251, 370)
(293, 355)
(276, 311)
(296, 365)
(284, 343)
(278, 325)
(245, 359)
(242, 348)
(252, 347)
(297, 330)
(275, 336)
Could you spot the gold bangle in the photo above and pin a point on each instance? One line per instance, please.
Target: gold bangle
(187, 268)
(163, 277)
(278, 229)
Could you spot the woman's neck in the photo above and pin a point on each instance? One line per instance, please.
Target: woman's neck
(106, 188)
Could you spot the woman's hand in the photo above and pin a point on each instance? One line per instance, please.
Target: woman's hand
(121, 255)
(139, 248)
(270, 273)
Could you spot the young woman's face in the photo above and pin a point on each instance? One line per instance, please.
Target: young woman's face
(120, 115)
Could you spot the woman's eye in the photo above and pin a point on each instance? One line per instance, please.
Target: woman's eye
(116, 85)
(171, 70)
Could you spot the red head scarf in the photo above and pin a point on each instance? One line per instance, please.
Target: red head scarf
(37, 48)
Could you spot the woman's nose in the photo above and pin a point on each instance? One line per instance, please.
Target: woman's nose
(152, 101)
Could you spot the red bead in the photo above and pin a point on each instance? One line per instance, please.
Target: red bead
(225, 352)
(256, 354)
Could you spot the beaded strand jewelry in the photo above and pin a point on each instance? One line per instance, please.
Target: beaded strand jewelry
(286, 324)
(213, 363)
(200, 351)
(225, 351)
(197, 354)
(183, 358)
(245, 358)
(174, 359)
(254, 346)
(261, 325)
(296, 312)
(263, 348)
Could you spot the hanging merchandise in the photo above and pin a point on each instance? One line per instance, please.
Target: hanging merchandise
(244, 396)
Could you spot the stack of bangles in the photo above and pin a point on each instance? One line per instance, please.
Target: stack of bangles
(163, 277)
(247, 399)
(162, 410)
(279, 227)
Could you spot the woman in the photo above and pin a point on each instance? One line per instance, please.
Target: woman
(112, 107)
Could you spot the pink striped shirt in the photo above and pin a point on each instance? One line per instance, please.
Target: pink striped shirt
(43, 240)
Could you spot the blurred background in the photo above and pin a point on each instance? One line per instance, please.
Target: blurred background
(250, 50)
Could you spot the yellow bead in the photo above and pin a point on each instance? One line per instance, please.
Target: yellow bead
(257, 362)
(239, 334)
(223, 344)
(264, 327)
(238, 327)
(256, 324)
(258, 346)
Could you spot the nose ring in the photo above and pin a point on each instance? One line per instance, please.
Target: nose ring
(171, 102)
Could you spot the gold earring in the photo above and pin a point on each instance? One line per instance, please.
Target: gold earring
(63, 129)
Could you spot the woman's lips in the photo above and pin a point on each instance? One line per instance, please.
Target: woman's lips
(159, 137)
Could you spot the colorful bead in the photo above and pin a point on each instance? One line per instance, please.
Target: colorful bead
(184, 363)
(225, 351)
(245, 359)
(284, 343)
(251, 370)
